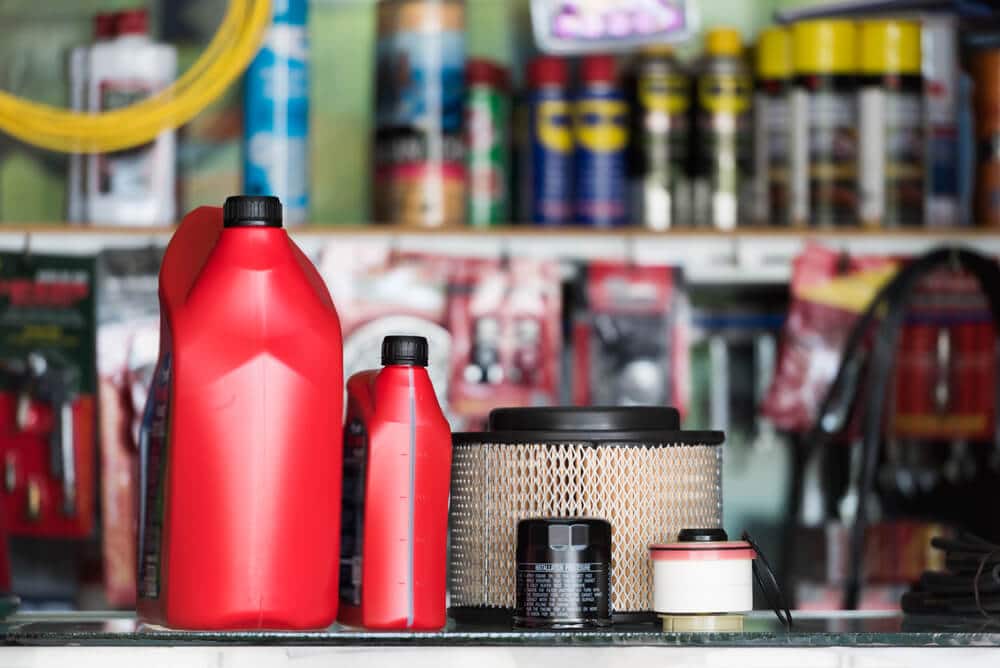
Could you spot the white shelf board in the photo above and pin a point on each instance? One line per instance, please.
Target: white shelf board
(708, 257)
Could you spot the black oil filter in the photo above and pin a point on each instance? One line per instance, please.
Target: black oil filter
(563, 573)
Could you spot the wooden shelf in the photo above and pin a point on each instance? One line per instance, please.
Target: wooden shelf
(746, 255)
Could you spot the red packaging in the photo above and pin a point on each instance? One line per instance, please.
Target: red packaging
(630, 337)
(829, 291)
(380, 292)
(47, 395)
(945, 386)
(397, 475)
(505, 322)
(241, 451)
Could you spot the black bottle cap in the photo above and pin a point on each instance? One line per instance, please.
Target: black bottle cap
(251, 211)
(404, 351)
(702, 536)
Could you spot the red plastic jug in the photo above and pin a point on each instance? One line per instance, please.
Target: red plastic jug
(241, 448)
(397, 475)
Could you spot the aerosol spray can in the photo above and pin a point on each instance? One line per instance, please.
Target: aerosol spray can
(824, 124)
(942, 92)
(891, 168)
(661, 101)
(550, 129)
(487, 132)
(986, 71)
(722, 133)
(600, 130)
(771, 127)
(419, 110)
(276, 108)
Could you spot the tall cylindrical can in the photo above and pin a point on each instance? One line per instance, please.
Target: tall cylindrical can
(600, 131)
(487, 131)
(890, 100)
(661, 99)
(943, 96)
(824, 112)
(722, 133)
(770, 121)
(986, 73)
(551, 139)
(419, 109)
(276, 113)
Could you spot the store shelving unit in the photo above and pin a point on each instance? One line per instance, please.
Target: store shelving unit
(749, 255)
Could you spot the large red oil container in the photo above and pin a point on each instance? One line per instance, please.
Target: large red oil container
(241, 453)
(397, 474)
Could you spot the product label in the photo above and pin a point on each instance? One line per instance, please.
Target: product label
(352, 519)
(551, 159)
(277, 120)
(565, 591)
(601, 132)
(824, 154)
(772, 143)
(153, 446)
(892, 148)
(487, 141)
(722, 183)
(663, 151)
(419, 144)
(128, 173)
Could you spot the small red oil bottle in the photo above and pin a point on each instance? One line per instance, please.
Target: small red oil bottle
(397, 473)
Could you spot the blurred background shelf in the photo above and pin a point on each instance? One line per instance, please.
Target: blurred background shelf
(709, 256)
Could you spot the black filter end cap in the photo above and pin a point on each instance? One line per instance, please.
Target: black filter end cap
(251, 211)
(702, 536)
(404, 351)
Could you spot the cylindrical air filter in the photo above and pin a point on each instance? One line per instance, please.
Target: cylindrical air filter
(631, 466)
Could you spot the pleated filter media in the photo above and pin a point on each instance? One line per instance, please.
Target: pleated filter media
(647, 489)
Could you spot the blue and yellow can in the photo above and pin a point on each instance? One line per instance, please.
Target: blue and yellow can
(601, 133)
(551, 143)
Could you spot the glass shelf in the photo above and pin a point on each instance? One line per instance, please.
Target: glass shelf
(760, 630)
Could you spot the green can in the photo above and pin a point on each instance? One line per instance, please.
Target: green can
(487, 144)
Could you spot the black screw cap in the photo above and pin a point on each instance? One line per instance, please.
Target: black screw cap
(251, 211)
(404, 351)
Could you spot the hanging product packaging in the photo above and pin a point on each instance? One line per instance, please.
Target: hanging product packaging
(504, 317)
(581, 26)
(945, 385)
(47, 395)
(381, 292)
(829, 291)
(241, 439)
(397, 472)
(630, 333)
(128, 335)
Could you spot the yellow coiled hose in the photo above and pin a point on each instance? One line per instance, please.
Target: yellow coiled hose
(226, 57)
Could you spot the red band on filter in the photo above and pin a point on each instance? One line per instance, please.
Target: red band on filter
(715, 551)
